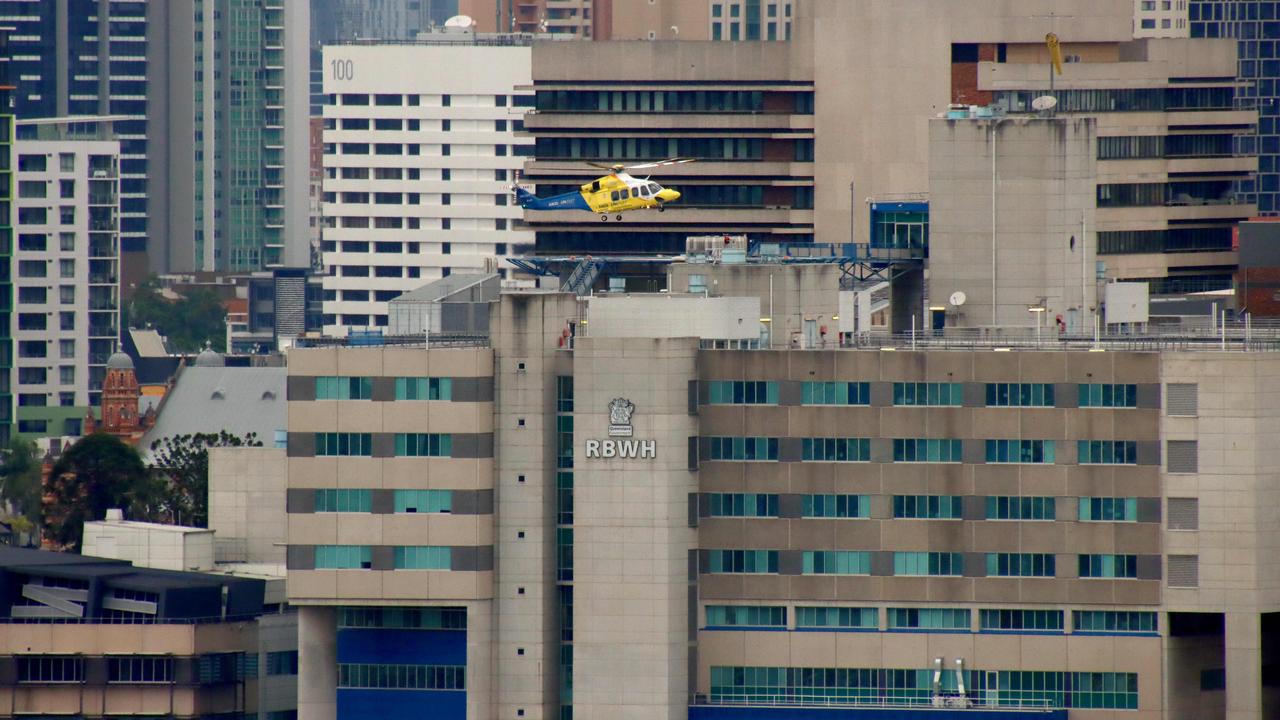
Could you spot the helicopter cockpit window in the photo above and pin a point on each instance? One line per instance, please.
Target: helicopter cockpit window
(644, 191)
(653, 188)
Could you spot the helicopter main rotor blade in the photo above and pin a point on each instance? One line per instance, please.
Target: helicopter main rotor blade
(661, 163)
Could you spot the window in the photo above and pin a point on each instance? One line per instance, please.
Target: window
(1104, 690)
(33, 163)
(403, 618)
(424, 444)
(1019, 395)
(1108, 509)
(742, 392)
(67, 214)
(836, 562)
(835, 506)
(1020, 451)
(424, 388)
(928, 563)
(33, 242)
(32, 268)
(402, 677)
(344, 388)
(67, 188)
(67, 374)
(1107, 452)
(33, 189)
(143, 669)
(743, 504)
(423, 557)
(927, 450)
(342, 500)
(344, 557)
(337, 444)
(1108, 396)
(284, 662)
(66, 269)
(424, 501)
(66, 349)
(1114, 621)
(1021, 565)
(1004, 507)
(743, 448)
(1044, 620)
(930, 394)
(67, 294)
(743, 561)
(928, 507)
(32, 376)
(929, 619)
(50, 669)
(33, 321)
(746, 616)
(837, 617)
(67, 162)
(1108, 566)
(835, 449)
(33, 295)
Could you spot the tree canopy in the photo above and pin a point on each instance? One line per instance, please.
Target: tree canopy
(184, 461)
(98, 473)
(20, 491)
(188, 323)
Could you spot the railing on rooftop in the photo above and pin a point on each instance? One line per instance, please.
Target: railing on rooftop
(422, 340)
(950, 701)
(1192, 334)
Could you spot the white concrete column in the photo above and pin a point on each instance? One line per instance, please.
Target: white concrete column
(1244, 665)
(317, 663)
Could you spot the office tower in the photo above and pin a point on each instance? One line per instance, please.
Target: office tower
(745, 111)
(1160, 18)
(236, 137)
(420, 149)
(67, 279)
(585, 19)
(92, 57)
(6, 232)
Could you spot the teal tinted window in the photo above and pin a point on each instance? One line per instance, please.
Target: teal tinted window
(1107, 509)
(1005, 507)
(928, 563)
(340, 444)
(1095, 395)
(835, 449)
(423, 557)
(927, 393)
(836, 562)
(1107, 452)
(344, 557)
(743, 561)
(1021, 565)
(743, 448)
(424, 388)
(742, 392)
(344, 388)
(835, 393)
(837, 617)
(1122, 621)
(1020, 395)
(929, 619)
(1108, 566)
(1030, 687)
(928, 450)
(411, 618)
(1047, 620)
(344, 501)
(424, 445)
(743, 504)
(402, 677)
(746, 616)
(835, 506)
(1104, 690)
(1020, 451)
(424, 501)
(928, 507)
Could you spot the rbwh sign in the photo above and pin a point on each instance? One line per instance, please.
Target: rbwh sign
(620, 411)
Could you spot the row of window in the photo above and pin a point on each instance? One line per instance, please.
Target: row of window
(880, 686)
(146, 669)
(858, 562)
(868, 618)
(344, 500)
(928, 507)
(931, 450)
(361, 388)
(921, 394)
(361, 444)
(360, 557)
(402, 677)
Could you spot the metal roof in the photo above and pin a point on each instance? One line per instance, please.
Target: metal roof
(239, 400)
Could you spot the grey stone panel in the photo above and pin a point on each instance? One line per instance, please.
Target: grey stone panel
(1148, 510)
(790, 506)
(975, 395)
(882, 507)
(881, 394)
(301, 445)
(300, 501)
(692, 606)
(9, 671)
(789, 449)
(1148, 452)
(95, 671)
(301, 388)
(698, 559)
(384, 445)
(704, 449)
(1148, 395)
(882, 563)
(704, 392)
(695, 454)
(473, 502)
(881, 450)
(383, 502)
(384, 389)
(1149, 567)
(475, 559)
(300, 557)
(704, 505)
(472, 389)
(693, 509)
(974, 507)
(790, 562)
(975, 564)
(1066, 395)
(789, 392)
(472, 445)
(974, 452)
(693, 397)
(383, 557)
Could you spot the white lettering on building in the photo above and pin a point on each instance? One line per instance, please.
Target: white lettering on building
(626, 449)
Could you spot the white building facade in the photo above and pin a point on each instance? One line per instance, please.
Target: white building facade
(420, 147)
(1161, 19)
(66, 278)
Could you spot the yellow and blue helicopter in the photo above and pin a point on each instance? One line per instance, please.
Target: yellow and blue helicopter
(614, 193)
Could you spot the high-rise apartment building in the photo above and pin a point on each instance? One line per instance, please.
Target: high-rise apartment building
(6, 232)
(585, 19)
(67, 277)
(92, 57)
(728, 20)
(235, 76)
(1160, 18)
(594, 514)
(421, 145)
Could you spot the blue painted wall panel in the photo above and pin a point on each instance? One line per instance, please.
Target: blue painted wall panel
(356, 704)
(402, 647)
(713, 712)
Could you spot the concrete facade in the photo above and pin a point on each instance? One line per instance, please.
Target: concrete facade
(246, 502)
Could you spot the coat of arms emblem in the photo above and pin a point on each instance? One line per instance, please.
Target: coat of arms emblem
(620, 410)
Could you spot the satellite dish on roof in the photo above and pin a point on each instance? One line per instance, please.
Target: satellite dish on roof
(957, 298)
(1044, 103)
(460, 22)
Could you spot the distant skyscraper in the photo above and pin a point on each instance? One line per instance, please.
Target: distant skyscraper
(1253, 24)
(89, 57)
